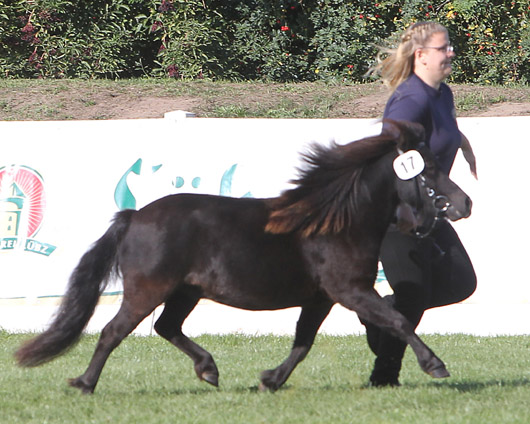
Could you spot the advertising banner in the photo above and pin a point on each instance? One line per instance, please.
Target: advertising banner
(62, 182)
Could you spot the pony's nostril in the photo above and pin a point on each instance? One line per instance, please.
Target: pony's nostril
(469, 205)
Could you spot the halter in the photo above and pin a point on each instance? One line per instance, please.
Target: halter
(440, 202)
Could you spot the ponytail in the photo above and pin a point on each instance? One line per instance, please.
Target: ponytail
(396, 65)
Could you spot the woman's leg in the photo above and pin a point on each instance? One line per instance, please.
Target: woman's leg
(454, 278)
(424, 273)
(406, 261)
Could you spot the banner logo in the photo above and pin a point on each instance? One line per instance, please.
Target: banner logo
(22, 205)
(141, 184)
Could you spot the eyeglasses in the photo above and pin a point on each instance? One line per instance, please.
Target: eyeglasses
(447, 48)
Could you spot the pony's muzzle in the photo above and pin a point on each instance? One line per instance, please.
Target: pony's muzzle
(459, 210)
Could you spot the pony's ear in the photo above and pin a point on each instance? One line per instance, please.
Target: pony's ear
(407, 134)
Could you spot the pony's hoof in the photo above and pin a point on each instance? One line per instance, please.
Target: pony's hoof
(263, 388)
(268, 382)
(78, 383)
(440, 372)
(210, 378)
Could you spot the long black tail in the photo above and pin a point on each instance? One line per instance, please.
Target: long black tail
(85, 286)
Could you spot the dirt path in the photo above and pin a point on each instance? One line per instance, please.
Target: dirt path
(88, 100)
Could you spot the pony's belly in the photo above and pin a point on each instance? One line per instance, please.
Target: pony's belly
(257, 294)
(271, 280)
(262, 304)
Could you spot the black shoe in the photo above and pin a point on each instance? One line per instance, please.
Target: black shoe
(385, 372)
(384, 383)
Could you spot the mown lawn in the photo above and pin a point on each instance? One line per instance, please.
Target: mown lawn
(147, 381)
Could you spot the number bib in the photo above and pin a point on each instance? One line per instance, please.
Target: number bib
(409, 165)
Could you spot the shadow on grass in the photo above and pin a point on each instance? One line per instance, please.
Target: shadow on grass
(178, 391)
(477, 386)
(461, 386)
(464, 387)
(207, 389)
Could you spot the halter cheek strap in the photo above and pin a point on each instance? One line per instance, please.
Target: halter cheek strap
(410, 165)
(440, 202)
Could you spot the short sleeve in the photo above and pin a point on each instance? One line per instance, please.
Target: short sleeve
(407, 107)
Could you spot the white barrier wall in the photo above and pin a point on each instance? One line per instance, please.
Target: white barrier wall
(61, 183)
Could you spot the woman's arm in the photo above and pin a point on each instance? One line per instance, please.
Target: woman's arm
(469, 156)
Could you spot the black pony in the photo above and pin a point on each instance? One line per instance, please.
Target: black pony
(314, 246)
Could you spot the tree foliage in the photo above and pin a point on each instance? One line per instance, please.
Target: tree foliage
(275, 40)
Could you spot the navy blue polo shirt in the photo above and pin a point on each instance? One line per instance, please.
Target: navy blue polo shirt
(416, 101)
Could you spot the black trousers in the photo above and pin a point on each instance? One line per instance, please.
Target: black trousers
(423, 273)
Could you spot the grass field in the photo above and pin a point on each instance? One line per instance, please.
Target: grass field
(146, 380)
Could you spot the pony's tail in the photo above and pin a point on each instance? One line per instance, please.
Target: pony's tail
(85, 286)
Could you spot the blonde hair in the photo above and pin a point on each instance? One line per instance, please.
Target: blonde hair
(398, 63)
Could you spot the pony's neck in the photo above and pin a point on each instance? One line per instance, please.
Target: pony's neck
(381, 203)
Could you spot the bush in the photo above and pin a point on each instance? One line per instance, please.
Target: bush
(491, 37)
(62, 38)
(347, 35)
(276, 40)
(187, 35)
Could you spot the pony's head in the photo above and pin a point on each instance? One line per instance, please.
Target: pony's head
(421, 184)
(346, 187)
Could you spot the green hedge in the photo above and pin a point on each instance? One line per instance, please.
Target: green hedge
(275, 40)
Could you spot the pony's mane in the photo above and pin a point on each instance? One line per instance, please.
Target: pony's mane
(328, 189)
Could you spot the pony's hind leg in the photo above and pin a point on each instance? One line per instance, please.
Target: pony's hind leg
(169, 326)
(307, 327)
(372, 308)
(132, 311)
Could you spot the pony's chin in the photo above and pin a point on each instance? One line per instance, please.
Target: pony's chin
(454, 214)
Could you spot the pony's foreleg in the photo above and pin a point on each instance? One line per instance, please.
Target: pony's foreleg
(307, 327)
(114, 332)
(169, 326)
(372, 308)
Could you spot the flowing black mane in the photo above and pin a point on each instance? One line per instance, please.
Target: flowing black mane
(329, 188)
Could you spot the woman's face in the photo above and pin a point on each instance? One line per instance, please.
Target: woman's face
(436, 56)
